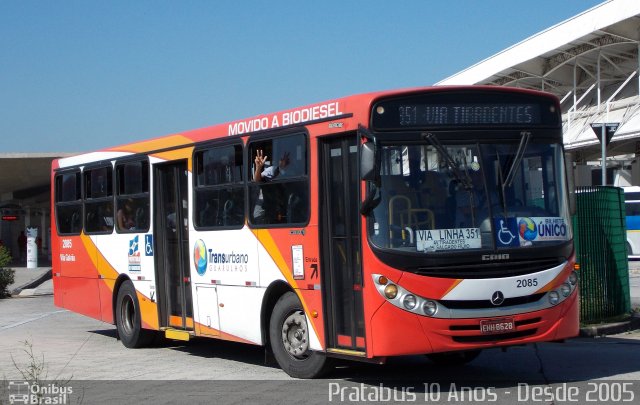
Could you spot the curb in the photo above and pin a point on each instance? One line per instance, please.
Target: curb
(31, 284)
(611, 328)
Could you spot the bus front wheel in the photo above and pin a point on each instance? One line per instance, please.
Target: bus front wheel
(128, 318)
(289, 336)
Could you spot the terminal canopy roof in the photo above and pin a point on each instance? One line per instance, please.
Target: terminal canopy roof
(26, 175)
(589, 61)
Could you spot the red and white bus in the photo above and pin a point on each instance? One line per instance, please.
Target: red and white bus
(425, 221)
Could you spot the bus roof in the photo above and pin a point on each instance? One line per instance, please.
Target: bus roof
(351, 109)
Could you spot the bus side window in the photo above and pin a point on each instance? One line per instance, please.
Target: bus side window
(219, 187)
(279, 192)
(68, 203)
(132, 197)
(98, 201)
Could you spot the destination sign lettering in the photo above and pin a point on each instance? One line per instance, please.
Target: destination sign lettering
(423, 115)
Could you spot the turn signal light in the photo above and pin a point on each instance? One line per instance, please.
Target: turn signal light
(382, 280)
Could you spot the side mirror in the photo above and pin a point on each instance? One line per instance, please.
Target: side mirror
(571, 183)
(368, 161)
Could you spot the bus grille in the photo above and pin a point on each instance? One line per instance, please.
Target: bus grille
(482, 304)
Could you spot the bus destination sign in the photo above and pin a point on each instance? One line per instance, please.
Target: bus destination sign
(398, 114)
(467, 114)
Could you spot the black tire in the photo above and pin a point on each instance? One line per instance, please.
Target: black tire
(289, 336)
(128, 318)
(454, 358)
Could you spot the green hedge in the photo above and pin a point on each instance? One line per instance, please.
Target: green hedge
(6, 275)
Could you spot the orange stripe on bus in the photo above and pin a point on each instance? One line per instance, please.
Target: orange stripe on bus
(454, 285)
(148, 308)
(154, 144)
(209, 331)
(265, 238)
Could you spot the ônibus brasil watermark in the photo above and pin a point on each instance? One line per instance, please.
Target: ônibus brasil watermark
(33, 393)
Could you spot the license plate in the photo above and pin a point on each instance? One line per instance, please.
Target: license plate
(499, 325)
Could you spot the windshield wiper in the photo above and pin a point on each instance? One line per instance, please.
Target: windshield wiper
(453, 169)
(506, 182)
(524, 141)
(433, 140)
(503, 198)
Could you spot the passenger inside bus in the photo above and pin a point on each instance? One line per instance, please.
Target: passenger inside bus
(125, 216)
(270, 205)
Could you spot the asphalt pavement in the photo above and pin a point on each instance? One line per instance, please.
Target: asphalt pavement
(67, 347)
(82, 357)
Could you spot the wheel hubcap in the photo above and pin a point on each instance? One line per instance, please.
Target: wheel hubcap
(295, 335)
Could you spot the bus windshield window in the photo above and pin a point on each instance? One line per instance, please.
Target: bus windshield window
(456, 197)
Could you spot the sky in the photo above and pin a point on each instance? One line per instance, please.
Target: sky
(77, 76)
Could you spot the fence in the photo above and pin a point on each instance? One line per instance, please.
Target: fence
(600, 240)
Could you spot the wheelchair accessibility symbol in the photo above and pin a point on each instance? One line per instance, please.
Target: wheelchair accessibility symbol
(507, 232)
(505, 235)
(148, 245)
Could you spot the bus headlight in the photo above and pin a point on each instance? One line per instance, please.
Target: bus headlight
(409, 301)
(406, 300)
(554, 297)
(429, 308)
(565, 290)
(391, 291)
(573, 278)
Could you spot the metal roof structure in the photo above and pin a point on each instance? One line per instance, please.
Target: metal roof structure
(590, 62)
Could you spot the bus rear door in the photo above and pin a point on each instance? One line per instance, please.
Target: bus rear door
(171, 234)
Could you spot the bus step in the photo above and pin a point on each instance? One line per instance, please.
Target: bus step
(177, 334)
(346, 352)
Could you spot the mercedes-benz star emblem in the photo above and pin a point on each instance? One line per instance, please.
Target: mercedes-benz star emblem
(497, 298)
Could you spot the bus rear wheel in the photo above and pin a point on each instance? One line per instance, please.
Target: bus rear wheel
(289, 336)
(454, 358)
(129, 318)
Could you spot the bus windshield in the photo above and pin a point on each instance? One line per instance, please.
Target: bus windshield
(450, 196)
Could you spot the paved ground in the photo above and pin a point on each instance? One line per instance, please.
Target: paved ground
(84, 354)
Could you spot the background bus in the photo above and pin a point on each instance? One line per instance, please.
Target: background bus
(632, 212)
(427, 221)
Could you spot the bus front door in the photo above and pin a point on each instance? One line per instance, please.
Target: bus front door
(171, 233)
(340, 242)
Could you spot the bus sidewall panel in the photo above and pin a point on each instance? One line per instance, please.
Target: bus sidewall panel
(81, 295)
(569, 324)
(396, 332)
